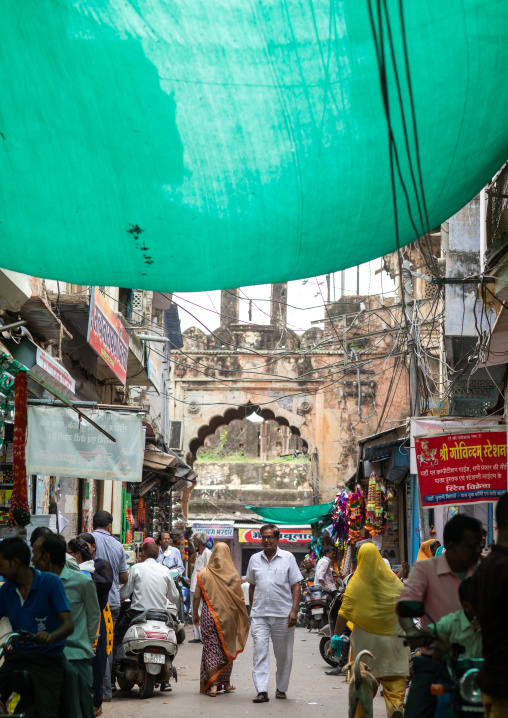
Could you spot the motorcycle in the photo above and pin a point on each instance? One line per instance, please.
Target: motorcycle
(317, 605)
(460, 679)
(147, 653)
(16, 691)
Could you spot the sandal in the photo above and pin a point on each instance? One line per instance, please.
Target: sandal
(280, 694)
(212, 692)
(261, 698)
(230, 688)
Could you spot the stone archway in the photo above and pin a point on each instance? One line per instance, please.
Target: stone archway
(235, 413)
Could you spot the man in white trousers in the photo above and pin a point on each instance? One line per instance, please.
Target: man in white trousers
(274, 595)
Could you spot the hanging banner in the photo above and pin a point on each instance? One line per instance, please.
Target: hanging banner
(107, 335)
(61, 444)
(286, 536)
(461, 468)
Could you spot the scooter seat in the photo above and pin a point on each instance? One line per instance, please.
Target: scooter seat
(153, 614)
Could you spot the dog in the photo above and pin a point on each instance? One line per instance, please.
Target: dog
(363, 686)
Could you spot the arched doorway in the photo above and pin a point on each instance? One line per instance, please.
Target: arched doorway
(290, 439)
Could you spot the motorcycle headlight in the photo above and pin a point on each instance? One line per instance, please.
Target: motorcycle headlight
(468, 687)
(140, 633)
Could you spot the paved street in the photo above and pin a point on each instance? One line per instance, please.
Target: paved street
(311, 692)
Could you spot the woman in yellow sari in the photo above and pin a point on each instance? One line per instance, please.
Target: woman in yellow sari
(224, 621)
(369, 603)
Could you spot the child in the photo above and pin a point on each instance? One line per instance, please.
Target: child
(460, 627)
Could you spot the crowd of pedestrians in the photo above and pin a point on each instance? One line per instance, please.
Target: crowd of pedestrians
(69, 597)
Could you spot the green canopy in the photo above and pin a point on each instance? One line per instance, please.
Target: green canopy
(295, 515)
(190, 144)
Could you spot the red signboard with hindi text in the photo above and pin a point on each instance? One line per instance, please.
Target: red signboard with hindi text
(291, 535)
(461, 468)
(107, 335)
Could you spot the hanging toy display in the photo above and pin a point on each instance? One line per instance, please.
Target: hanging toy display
(315, 549)
(340, 523)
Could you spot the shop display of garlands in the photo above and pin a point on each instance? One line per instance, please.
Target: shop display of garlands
(13, 408)
(150, 513)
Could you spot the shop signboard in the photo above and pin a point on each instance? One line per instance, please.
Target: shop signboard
(286, 535)
(60, 443)
(48, 368)
(214, 530)
(461, 468)
(107, 335)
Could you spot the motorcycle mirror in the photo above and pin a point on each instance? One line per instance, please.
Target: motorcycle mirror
(410, 609)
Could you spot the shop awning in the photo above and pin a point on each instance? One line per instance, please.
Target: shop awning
(295, 515)
(175, 145)
(380, 452)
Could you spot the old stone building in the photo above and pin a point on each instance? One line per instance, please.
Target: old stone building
(312, 397)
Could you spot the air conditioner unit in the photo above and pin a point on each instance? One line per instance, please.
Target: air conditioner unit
(176, 435)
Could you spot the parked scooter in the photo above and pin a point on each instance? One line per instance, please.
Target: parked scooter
(147, 653)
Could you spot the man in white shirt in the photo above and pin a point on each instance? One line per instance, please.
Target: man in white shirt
(274, 595)
(202, 557)
(245, 589)
(324, 575)
(150, 585)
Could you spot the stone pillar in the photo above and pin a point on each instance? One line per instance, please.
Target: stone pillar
(229, 307)
(278, 307)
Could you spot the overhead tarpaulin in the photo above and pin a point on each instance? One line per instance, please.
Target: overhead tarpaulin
(183, 144)
(59, 443)
(295, 515)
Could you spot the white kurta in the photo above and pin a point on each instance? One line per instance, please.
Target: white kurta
(391, 657)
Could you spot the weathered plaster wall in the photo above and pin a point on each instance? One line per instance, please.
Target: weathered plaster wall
(306, 383)
(232, 486)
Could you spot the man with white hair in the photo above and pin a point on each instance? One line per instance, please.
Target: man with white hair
(202, 557)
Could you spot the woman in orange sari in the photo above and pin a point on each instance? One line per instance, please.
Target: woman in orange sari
(428, 549)
(224, 621)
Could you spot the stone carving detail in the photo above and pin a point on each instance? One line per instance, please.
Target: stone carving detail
(305, 406)
(193, 408)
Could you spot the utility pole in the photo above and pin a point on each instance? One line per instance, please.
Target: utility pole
(328, 289)
(315, 489)
(407, 291)
(409, 302)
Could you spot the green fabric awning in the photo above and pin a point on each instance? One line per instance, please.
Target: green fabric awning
(189, 145)
(295, 515)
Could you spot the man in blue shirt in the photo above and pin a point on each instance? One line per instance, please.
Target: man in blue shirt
(35, 602)
(108, 548)
(169, 556)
